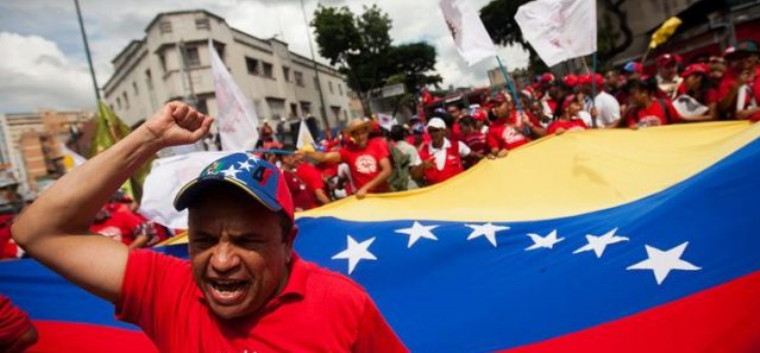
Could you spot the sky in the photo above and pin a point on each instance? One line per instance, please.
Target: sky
(44, 63)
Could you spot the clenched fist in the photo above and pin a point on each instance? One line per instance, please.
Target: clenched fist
(178, 124)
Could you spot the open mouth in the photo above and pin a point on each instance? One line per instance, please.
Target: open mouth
(228, 292)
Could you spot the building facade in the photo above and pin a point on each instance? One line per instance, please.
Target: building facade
(172, 63)
(33, 144)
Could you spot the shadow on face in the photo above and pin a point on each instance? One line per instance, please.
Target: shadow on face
(238, 250)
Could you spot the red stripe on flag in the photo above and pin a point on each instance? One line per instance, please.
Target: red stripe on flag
(725, 318)
(84, 338)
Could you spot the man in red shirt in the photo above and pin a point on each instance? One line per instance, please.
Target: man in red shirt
(645, 108)
(303, 195)
(121, 225)
(441, 158)
(368, 160)
(510, 129)
(244, 288)
(16, 331)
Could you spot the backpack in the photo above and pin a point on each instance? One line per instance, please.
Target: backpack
(399, 179)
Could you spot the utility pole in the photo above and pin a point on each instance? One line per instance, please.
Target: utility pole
(87, 51)
(322, 109)
(190, 98)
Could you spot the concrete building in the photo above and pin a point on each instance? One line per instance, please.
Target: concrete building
(279, 82)
(33, 144)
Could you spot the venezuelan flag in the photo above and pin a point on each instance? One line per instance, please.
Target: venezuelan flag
(594, 241)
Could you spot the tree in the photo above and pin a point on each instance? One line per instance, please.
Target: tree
(362, 49)
(499, 19)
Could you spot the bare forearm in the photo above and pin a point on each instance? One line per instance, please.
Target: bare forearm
(379, 179)
(322, 197)
(70, 204)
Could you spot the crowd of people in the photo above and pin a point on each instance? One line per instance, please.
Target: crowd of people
(431, 148)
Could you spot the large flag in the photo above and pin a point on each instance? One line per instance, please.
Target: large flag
(662, 34)
(237, 117)
(470, 36)
(109, 129)
(601, 241)
(559, 30)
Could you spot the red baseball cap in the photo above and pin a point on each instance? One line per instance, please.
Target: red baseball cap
(703, 69)
(499, 98)
(586, 80)
(479, 115)
(569, 100)
(546, 78)
(666, 59)
(570, 80)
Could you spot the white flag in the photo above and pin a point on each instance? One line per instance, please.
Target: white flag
(304, 135)
(71, 159)
(237, 118)
(559, 29)
(167, 176)
(470, 36)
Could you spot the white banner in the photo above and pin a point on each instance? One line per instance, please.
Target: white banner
(304, 135)
(470, 36)
(559, 29)
(237, 118)
(167, 176)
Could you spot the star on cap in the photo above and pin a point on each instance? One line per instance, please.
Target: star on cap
(598, 243)
(245, 165)
(662, 262)
(418, 231)
(487, 230)
(547, 242)
(355, 252)
(231, 172)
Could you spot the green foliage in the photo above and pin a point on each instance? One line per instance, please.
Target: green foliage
(361, 47)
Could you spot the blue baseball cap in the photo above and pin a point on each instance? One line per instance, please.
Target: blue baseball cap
(253, 175)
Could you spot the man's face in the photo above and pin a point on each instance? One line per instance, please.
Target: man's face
(639, 97)
(453, 111)
(502, 110)
(668, 71)
(238, 253)
(360, 136)
(437, 135)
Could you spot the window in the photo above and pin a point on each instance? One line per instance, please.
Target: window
(306, 108)
(293, 109)
(268, 69)
(192, 59)
(219, 50)
(165, 27)
(202, 23)
(126, 100)
(252, 65)
(134, 87)
(162, 59)
(286, 73)
(111, 106)
(299, 78)
(329, 85)
(148, 79)
(340, 89)
(316, 83)
(202, 106)
(118, 102)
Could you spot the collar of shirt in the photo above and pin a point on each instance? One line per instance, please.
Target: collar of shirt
(439, 153)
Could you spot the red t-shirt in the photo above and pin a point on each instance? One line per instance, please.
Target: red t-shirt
(302, 194)
(365, 163)
(727, 82)
(311, 176)
(6, 220)
(317, 310)
(506, 136)
(567, 125)
(711, 96)
(120, 226)
(13, 322)
(652, 114)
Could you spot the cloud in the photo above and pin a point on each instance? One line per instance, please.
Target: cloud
(35, 73)
(112, 24)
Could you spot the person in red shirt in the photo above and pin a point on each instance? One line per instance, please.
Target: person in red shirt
(121, 225)
(510, 130)
(441, 158)
(569, 120)
(16, 331)
(368, 160)
(244, 289)
(303, 195)
(473, 136)
(313, 179)
(645, 109)
(697, 100)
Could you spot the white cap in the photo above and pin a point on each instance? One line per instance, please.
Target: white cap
(436, 123)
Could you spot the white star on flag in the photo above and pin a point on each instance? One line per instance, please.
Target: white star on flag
(356, 252)
(599, 243)
(662, 262)
(487, 230)
(418, 231)
(254, 159)
(544, 242)
(231, 172)
(245, 165)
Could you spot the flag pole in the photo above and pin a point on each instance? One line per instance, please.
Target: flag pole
(593, 88)
(511, 86)
(87, 51)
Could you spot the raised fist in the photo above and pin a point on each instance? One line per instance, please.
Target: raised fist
(178, 124)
